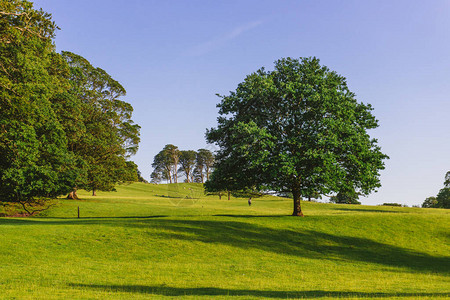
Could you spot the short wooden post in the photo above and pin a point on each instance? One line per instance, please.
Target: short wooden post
(78, 212)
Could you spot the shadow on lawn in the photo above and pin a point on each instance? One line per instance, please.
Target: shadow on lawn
(250, 216)
(299, 242)
(70, 220)
(362, 210)
(210, 291)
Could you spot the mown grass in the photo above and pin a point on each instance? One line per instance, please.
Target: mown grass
(158, 241)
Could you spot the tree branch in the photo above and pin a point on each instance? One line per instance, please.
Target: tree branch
(13, 14)
(30, 213)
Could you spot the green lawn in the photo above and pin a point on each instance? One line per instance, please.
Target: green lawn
(155, 241)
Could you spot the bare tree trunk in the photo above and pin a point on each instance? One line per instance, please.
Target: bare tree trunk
(94, 192)
(220, 195)
(169, 174)
(175, 175)
(207, 173)
(297, 198)
(229, 195)
(73, 194)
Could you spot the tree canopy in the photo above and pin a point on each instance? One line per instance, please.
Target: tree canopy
(34, 161)
(62, 123)
(442, 199)
(298, 129)
(97, 123)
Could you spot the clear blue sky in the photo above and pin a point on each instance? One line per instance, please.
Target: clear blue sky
(174, 56)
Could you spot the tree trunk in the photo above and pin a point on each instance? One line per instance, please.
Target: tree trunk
(73, 194)
(297, 197)
(207, 173)
(229, 195)
(220, 195)
(175, 174)
(94, 192)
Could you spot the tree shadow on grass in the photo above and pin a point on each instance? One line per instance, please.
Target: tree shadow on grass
(71, 220)
(300, 243)
(250, 216)
(211, 291)
(295, 242)
(370, 210)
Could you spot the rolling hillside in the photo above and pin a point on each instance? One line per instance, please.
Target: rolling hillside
(165, 241)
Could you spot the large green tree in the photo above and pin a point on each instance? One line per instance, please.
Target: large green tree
(34, 161)
(299, 129)
(98, 124)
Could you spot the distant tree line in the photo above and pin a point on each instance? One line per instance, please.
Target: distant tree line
(442, 199)
(63, 123)
(171, 164)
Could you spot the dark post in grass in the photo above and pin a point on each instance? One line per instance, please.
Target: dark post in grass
(78, 212)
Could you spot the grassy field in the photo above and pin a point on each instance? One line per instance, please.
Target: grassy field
(158, 241)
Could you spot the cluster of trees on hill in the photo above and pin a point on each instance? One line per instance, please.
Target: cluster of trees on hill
(171, 163)
(442, 200)
(63, 123)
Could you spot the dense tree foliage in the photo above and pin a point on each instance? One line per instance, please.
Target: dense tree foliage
(61, 122)
(299, 129)
(345, 198)
(34, 161)
(442, 200)
(98, 124)
(430, 202)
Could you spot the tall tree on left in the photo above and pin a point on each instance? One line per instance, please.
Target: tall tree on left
(34, 157)
(98, 124)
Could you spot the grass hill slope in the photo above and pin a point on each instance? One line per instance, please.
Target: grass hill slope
(163, 241)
